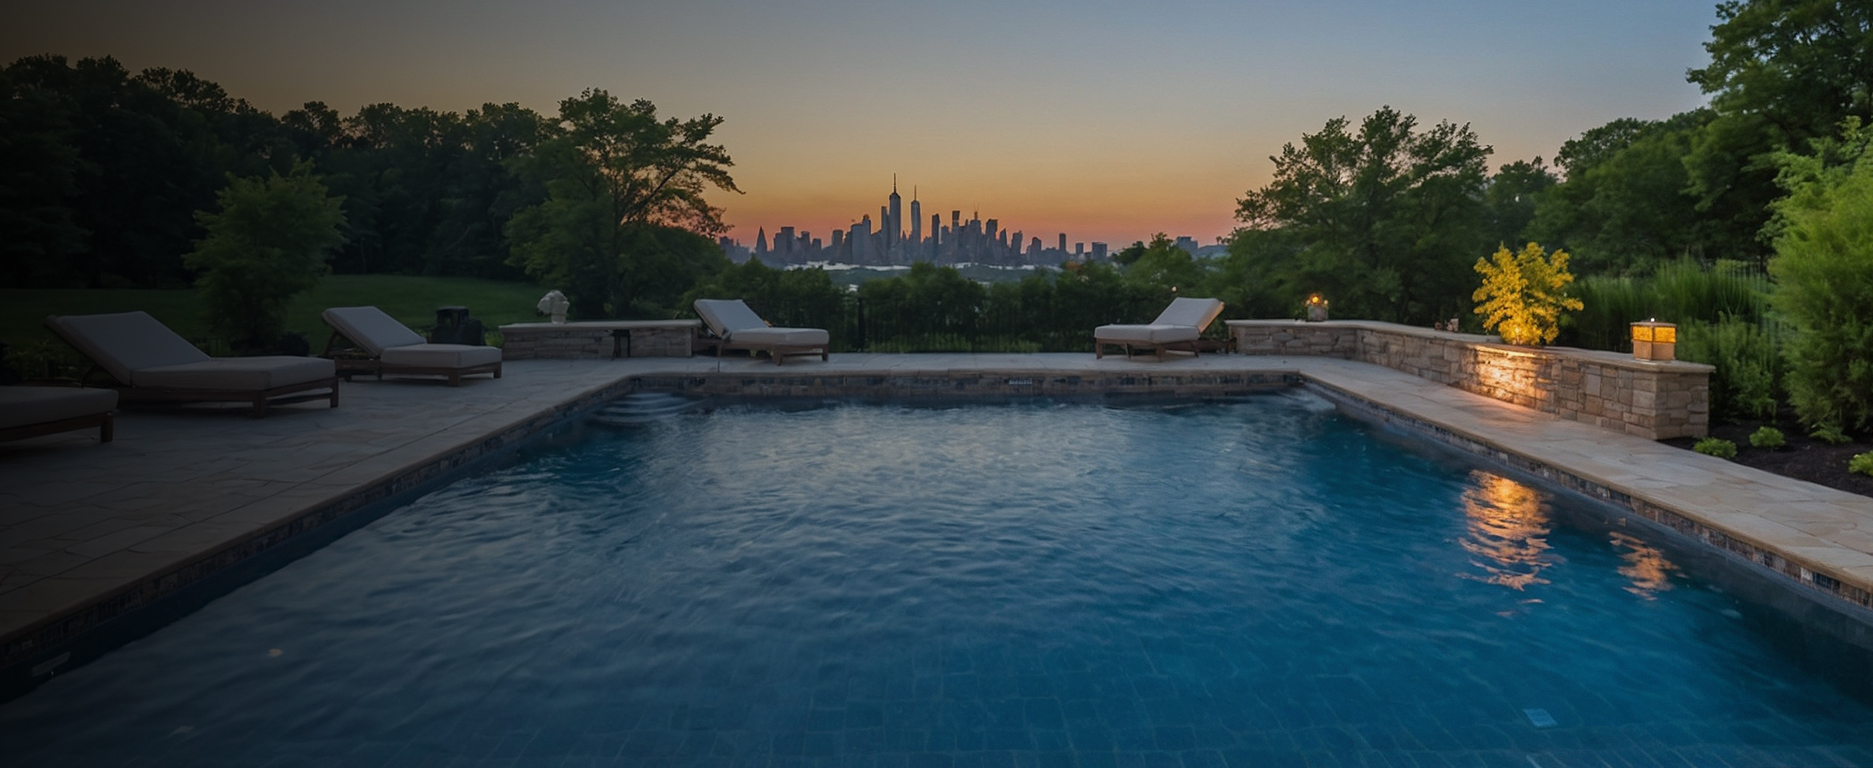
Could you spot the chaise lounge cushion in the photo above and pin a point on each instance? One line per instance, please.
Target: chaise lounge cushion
(1195, 313)
(396, 345)
(781, 336)
(20, 406)
(440, 356)
(371, 329)
(140, 352)
(732, 320)
(125, 341)
(1153, 334)
(236, 373)
(1183, 320)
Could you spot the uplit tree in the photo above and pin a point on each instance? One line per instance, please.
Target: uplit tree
(1523, 294)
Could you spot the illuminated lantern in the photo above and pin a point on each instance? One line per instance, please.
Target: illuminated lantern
(1653, 340)
(1316, 309)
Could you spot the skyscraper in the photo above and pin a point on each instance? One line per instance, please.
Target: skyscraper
(861, 241)
(916, 226)
(894, 224)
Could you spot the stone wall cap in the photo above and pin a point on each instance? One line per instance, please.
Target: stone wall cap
(604, 325)
(1610, 359)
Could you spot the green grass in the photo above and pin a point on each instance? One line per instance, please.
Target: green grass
(411, 300)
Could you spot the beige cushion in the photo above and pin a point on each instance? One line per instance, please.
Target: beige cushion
(726, 316)
(790, 336)
(1152, 334)
(20, 406)
(441, 356)
(125, 342)
(371, 329)
(1196, 313)
(731, 319)
(237, 373)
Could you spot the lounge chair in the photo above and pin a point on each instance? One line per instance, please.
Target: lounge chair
(147, 362)
(34, 411)
(735, 326)
(1178, 327)
(388, 346)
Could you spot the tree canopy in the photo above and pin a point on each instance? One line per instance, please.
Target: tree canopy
(1385, 219)
(622, 227)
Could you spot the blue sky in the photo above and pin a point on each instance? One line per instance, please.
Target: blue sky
(1104, 120)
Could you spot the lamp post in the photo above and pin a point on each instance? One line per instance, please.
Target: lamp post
(1653, 340)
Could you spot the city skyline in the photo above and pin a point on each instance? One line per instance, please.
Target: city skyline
(1107, 121)
(896, 241)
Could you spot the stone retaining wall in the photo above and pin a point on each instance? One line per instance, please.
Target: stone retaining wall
(1654, 400)
(642, 338)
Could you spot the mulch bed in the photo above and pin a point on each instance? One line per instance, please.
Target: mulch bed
(1804, 458)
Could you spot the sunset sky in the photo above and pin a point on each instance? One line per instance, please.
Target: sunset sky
(1106, 120)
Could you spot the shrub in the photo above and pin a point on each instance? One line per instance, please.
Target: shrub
(1744, 354)
(1830, 434)
(1716, 446)
(1523, 294)
(269, 241)
(1824, 272)
(1861, 463)
(1767, 438)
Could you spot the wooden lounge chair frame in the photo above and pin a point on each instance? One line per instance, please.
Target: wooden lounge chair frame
(259, 399)
(779, 351)
(1194, 346)
(352, 361)
(355, 359)
(105, 422)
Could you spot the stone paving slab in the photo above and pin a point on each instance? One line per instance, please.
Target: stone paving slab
(81, 523)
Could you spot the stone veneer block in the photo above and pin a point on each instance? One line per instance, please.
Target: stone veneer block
(1654, 400)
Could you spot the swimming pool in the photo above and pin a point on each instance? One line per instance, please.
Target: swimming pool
(1247, 583)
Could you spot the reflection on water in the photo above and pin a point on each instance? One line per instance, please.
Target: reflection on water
(1507, 531)
(1645, 565)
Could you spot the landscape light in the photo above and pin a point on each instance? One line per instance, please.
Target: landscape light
(1653, 340)
(1316, 308)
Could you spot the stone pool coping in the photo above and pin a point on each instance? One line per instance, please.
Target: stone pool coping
(91, 534)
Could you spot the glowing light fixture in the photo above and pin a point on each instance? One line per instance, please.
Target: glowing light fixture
(1653, 340)
(1316, 309)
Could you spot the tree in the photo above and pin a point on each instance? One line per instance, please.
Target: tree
(1523, 294)
(1384, 218)
(1782, 73)
(269, 240)
(1510, 199)
(1163, 269)
(116, 163)
(1624, 207)
(1802, 65)
(613, 171)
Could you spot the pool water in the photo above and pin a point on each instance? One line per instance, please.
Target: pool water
(1247, 583)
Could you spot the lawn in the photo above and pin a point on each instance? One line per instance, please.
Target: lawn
(412, 300)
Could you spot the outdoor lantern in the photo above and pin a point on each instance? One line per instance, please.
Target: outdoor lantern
(1653, 340)
(1316, 309)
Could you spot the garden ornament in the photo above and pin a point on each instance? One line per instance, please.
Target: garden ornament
(554, 303)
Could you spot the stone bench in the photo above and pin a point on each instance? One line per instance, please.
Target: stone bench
(599, 338)
(1654, 400)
